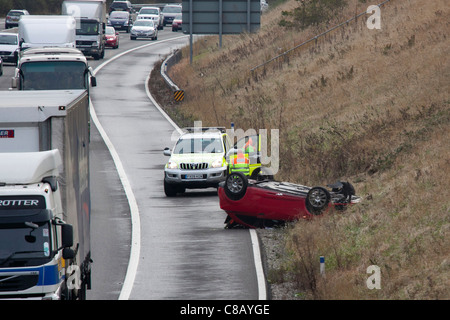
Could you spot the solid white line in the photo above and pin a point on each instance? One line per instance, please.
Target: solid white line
(134, 209)
(135, 219)
(262, 294)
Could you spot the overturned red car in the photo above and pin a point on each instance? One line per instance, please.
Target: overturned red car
(265, 203)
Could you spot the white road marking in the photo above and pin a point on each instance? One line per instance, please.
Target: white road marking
(134, 209)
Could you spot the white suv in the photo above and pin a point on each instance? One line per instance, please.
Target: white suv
(152, 13)
(198, 160)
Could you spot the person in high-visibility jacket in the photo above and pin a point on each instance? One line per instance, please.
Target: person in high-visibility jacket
(248, 147)
(240, 163)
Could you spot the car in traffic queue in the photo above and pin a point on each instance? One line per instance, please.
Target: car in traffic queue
(13, 17)
(112, 37)
(177, 22)
(144, 29)
(9, 47)
(264, 6)
(120, 20)
(120, 6)
(152, 13)
(169, 11)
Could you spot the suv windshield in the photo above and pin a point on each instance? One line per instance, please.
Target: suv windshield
(8, 39)
(25, 244)
(119, 15)
(198, 145)
(172, 9)
(143, 23)
(15, 13)
(148, 11)
(119, 6)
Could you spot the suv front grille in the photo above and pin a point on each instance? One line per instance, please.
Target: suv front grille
(194, 166)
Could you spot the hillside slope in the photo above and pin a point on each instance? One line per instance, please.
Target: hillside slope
(369, 106)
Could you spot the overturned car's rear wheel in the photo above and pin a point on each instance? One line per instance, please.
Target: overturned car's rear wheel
(317, 200)
(236, 185)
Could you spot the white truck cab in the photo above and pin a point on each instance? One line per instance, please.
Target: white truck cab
(34, 239)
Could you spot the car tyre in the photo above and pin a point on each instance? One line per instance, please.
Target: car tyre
(169, 190)
(317, 200)
(262, 174)
(236, 185)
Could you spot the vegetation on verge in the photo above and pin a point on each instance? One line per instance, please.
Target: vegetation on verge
(368, 106)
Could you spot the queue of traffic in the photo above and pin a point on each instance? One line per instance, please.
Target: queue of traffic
(45, 202)
(45, 205)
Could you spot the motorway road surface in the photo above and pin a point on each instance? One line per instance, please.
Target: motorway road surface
(184, 252)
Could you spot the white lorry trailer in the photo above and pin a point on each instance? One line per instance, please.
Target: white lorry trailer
(44, 212)
(90, 18)
(52, 69)
(47, 31)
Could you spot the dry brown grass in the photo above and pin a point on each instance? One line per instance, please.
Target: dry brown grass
(371, 106)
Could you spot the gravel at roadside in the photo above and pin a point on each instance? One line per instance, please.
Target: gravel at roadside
(280, 285)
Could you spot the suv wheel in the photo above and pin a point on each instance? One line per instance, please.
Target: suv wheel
(169, 190)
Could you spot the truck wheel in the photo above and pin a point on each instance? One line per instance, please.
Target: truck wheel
(317, 200)
(236, 185)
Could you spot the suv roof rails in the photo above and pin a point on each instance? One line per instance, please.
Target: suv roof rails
(203, 129)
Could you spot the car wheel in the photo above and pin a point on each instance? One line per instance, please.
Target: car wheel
(169, 190)
(236, 185)
(317, 200)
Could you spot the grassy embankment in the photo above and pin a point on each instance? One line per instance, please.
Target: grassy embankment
(369, 106)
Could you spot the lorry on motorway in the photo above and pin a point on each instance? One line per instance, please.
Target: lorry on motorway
(46, 31)
(53, 69)
(45, 205)
(90, 16)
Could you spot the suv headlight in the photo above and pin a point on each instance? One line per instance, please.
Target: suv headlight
(217, 163)
(172, 165)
